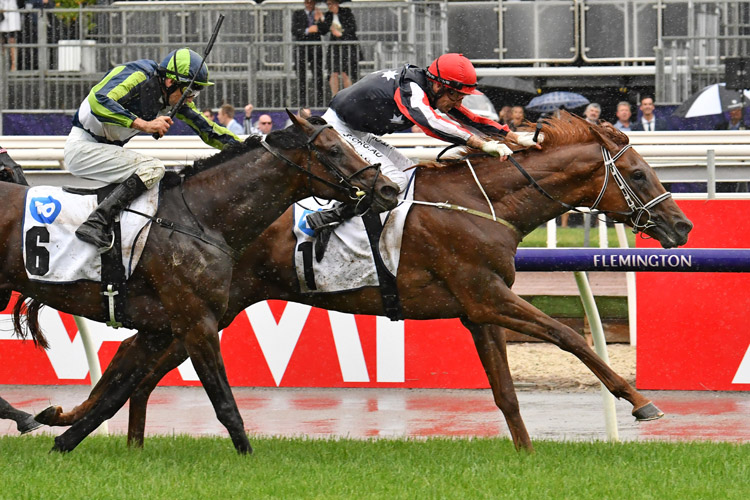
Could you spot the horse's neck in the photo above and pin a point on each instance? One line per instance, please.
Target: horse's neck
(565, 173)
(570, 175)
(240, 199)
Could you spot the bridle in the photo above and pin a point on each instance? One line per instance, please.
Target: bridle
(638, 209)
(345, 182)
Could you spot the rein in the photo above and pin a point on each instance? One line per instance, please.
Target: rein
(637, 208)
(355, 192)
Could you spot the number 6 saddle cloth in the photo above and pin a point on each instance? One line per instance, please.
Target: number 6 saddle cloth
(51, 251)
(347, 263)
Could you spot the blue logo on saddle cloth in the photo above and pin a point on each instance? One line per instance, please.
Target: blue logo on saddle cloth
(44, 209)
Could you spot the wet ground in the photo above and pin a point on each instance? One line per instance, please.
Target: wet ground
(365, 413)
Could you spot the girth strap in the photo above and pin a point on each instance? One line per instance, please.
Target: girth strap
(388, 288)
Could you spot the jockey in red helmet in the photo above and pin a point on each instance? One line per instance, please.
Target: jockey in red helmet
(397, 99)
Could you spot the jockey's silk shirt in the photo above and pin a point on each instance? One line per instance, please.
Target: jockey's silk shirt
(394, 100)
(131, 91)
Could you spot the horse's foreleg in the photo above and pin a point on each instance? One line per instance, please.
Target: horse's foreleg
(490, 343)
(514, 313)
(144, 351)
(202, 344)
(174, 356)
(55, 416)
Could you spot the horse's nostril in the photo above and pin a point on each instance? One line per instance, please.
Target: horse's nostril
(389, 192)
(684, 227)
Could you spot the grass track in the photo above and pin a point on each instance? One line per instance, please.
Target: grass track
(184, 467)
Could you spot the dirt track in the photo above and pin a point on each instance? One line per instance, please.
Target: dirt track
(545, 366)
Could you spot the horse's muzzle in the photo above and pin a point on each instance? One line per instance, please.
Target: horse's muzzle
(386, 198)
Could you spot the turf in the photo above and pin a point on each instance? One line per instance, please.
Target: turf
(574, 237)
(184, 467)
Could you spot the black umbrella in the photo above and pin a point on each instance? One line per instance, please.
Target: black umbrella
(712, 100)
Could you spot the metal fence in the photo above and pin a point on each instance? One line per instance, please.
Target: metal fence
(62, 53)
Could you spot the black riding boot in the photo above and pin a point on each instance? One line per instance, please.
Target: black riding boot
(323, 222)
(7, 161)
(96, 230)
(24, 421)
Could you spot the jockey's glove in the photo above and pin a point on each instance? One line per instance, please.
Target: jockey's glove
(496, 148)
(527, 138)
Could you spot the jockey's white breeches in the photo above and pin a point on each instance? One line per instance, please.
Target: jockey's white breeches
(87, 158)
(373, 149)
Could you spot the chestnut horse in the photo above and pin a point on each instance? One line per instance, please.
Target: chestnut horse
(455, 264)
(180, 288)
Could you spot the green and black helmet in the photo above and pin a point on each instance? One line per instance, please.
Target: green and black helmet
(182, 64)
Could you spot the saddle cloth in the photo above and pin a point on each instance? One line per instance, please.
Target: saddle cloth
(347, 263)
(51, 251)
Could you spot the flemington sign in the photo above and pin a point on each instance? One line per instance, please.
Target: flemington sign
(634, 259)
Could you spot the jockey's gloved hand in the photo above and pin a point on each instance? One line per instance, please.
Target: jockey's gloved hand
(527, 138)
(496, 148)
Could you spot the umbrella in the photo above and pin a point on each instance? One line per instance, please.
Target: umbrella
(712, 100)
(546, 103)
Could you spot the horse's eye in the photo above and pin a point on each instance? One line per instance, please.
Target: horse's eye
(334, 151)
(638, 175)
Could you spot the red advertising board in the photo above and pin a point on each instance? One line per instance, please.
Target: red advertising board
(274, 343)
(694, 328)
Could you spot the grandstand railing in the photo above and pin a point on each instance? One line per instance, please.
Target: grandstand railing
(685, 40)
(696, 156)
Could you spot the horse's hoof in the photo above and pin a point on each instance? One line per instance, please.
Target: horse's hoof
(647, 412)
(58, 447)
(48, 415)
(28, 425)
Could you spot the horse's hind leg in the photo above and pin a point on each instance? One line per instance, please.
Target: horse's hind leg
(514, 313)
(174, 356)
(24, 421)
(142, 355)
(55, 416)
(490, 343)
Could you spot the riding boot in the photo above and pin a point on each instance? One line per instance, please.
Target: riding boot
(96, 230)
(7, 161)
(323, 222)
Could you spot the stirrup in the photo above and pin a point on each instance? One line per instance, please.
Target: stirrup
(106, 249)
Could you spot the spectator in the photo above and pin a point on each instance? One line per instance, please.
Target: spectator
(343, 58)
(517, 117)
(623, 116)
(649, 122)
(264, 124)
(225, 116)
(10, 28)
(736, 122)
(208, 113)
(250, 129)
(505, 115)
(306, 28)
(592, 113)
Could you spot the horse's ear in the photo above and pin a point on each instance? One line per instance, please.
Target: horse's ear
(300, 123)
(602, 137)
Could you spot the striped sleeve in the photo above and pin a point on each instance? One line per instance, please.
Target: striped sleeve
(489, 127)
(103, 98)
(211, 133)
(415, 105)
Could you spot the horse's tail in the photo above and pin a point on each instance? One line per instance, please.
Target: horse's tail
(26, 311)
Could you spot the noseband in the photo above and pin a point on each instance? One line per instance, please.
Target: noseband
(345, 182)
(638, 209)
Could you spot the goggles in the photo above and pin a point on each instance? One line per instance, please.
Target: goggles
(189, 92)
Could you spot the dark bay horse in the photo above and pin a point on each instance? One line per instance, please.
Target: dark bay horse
(454, 264)
(180, 288)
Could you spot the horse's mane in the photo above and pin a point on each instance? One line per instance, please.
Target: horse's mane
(567, 129)
(289, 138)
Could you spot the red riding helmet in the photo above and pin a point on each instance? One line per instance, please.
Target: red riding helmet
(454, 71)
